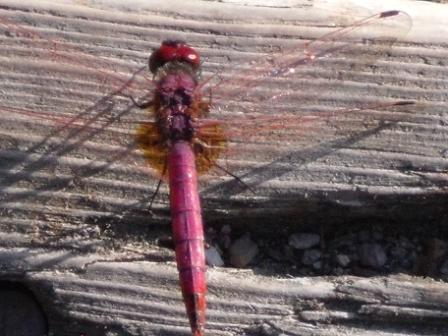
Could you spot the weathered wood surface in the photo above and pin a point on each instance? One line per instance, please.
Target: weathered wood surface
(75, 224)
(357, 163)
(141, 298)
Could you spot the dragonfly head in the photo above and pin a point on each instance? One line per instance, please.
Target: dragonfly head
(173, 51)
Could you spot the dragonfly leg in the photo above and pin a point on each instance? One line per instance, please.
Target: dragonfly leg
(153, 197)
(203, 144)
(142, 105)
(234, 176)
(210, 97)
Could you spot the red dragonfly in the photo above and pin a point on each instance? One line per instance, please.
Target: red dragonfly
(187, 133)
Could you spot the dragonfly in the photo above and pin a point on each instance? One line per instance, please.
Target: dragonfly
(184, 131)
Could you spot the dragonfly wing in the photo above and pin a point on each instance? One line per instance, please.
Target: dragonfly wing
(360, 41)
(66, 72)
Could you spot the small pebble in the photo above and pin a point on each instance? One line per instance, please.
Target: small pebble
(343, 260)
(213, 257)
(444, 153)
(311, 256)
(399, 252)
(377, 235)
(317, 265)
(338, 271)
(305, 271)
(225, 239)
(437, 248)
(274, 253)
(364, 236)
(242, 251)
(405, 243)
(346, 241)
(372, 255)
(226, 229)
(444, 268)
(302, 241)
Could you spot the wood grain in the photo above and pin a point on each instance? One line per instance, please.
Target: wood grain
(75, 222)
(354, 162)
(97, 298)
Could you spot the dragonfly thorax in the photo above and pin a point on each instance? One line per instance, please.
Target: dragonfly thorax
(176, 90)
(179, 127)
(175, 96)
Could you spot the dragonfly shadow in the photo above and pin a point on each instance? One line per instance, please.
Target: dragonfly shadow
(20, 167)
(102, 108)
(288, 163)
(287, 212)
(50, 156)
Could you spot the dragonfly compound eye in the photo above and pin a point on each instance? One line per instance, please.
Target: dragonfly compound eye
(173, 51)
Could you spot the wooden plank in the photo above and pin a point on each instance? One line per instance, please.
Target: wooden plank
(75, 223)
(96, 298)
(357, 164)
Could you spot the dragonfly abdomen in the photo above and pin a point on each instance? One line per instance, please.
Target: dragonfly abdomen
(188, 231)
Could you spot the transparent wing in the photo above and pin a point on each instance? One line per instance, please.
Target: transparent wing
(361, 41)
(67, 74)
(68, 143)
(286, 93)
(291, 106)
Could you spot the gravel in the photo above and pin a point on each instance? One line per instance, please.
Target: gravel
(364, 252)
